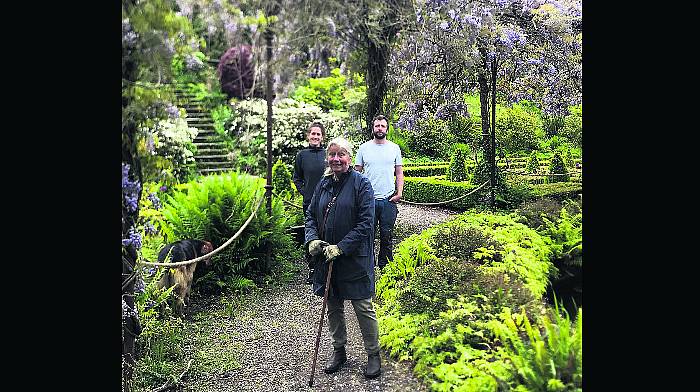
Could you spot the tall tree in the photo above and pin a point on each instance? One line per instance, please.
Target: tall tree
(370, 28)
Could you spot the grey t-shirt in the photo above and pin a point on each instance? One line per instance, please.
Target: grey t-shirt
(378, 162)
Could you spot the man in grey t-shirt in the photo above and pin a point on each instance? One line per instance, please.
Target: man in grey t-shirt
(380, 160)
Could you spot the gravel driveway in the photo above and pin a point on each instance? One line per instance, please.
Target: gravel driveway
(270, 334)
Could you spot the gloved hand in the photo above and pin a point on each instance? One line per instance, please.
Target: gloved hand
(316, 247)
(331, 252)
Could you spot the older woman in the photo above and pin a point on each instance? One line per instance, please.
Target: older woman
(339, 226)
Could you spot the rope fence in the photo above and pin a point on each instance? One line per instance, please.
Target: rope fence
(212, 253)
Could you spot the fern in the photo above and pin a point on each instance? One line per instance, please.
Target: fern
(538, 359)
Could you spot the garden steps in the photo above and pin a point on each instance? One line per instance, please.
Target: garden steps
(212, 153)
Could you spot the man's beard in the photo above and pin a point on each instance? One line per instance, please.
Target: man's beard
(380, 137)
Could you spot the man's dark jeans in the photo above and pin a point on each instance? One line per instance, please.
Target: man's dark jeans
(384, 217)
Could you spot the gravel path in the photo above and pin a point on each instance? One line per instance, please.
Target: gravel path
(265, 341)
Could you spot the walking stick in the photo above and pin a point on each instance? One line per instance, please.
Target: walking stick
(320, 324)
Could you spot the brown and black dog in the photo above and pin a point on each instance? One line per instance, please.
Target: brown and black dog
(181, 277)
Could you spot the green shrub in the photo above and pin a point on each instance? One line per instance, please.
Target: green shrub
(173, 150)
(533, 164)
(458, 164)
(535, 211)
(461, 241)
(466, 130)
(159, 346)
(559, 191)
(573, 126)
(522, 250)
(326, 93)
(558, 168)
(281, 179)
(431, 138)
(518, 129)
(432, 284)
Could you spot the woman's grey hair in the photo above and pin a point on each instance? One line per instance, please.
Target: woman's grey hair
(342, 143)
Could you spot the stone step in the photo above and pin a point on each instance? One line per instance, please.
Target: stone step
(213, 145)
(199, 115)
(215, 171)
(206, 139)
(223, 157)
(209, 153)
(200, 121)
(212, 165)
(215, 165)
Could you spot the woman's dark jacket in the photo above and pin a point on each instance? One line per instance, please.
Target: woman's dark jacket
(308, 169)
(350, 226)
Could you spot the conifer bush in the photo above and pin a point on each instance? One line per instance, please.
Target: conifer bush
(281, 179)
(533, 164)
(458, 164)
(557, 167)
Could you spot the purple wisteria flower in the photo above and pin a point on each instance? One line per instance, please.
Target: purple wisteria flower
(149, 229)
(139, 285)
(154, 200)
(230, 27)
(130, 189)
(173, 111)
(129, 36)
(163, 188)
(133, 239)
(193, 63)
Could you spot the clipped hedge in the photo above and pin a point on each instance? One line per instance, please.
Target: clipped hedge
(557, 190)
(434, 190)
(425, 171)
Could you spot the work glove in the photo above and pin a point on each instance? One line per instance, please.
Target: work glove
(331, 252)
(316, 247)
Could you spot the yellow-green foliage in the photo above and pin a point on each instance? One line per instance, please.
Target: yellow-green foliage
(524, 252)
(546, 356)
(498, 263)
(325, 92)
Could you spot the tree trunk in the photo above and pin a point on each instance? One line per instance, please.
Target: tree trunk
(377, 56)
(484, 91)
(269, 96)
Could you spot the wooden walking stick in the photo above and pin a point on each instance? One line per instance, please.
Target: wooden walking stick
(320, 324)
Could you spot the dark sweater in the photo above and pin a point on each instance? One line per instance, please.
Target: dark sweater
(308, 169)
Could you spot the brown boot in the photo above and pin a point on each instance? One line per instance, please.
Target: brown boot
(336, 361)
(374, 366)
